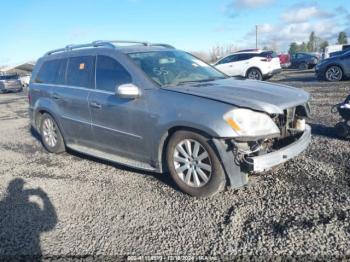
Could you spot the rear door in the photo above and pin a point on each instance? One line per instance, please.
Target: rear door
(71, 97)
(227, 65)
(118, 124)
(244, 62)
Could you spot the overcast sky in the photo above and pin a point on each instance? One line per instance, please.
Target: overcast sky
(30, 28)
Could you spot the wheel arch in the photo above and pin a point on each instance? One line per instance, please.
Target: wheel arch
(234, 177)
(163, 144)
(334, 64)
(253, 67)
(39, 112)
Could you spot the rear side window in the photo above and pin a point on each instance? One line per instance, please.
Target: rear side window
(228, 59)
(80, 71)
(268, 54)
(109, 74)
(52, 72)
(242, 57)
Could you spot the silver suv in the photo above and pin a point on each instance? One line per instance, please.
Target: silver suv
(153, 107)
(10, 83)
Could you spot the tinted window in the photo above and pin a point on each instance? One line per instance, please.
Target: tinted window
(52, 72)
(80, 71)
(268, 54)
(109, 74)
(228, 59)
(242, 57)
(8, 77)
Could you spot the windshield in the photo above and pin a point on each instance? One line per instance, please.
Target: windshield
(172, 68)
(8, 77)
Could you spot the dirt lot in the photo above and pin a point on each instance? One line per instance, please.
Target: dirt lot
(91, 207)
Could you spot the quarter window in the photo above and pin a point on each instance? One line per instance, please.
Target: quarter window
(109, 74)
(52, 72)
(81, 71)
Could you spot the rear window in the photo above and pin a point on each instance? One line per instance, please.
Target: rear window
(269, 54)
(8, 77)
(109, 74)
(52, 72)
(80, 71)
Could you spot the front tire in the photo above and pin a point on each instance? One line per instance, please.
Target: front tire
(303, 66)
(254, 74)
(51, 136)
(333, 74)
(193, 164)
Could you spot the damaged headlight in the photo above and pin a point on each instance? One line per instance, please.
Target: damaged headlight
(248, 123)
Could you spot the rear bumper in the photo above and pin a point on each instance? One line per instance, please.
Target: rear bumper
(274, 72)
(267, 161)
(11, 88)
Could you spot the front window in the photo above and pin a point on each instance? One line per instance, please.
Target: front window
(172, 68)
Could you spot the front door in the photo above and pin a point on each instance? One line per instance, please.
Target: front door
(117, 123)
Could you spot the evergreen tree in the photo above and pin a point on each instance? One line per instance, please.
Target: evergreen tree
(342, 38)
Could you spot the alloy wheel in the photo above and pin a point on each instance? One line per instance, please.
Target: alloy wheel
(254, 74)
(192, 163)
(334, 73)
(49, 132)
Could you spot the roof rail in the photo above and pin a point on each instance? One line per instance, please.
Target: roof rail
(129, 42)
(72, 47)
(163, 45)
(104, 43)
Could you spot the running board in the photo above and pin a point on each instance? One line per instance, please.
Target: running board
(113, 158)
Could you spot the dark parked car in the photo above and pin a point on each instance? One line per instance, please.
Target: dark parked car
(157, 108)
(303, 61)
(10, 83)
(334, 68)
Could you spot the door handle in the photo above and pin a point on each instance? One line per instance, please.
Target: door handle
(95, 105)
(56, 96)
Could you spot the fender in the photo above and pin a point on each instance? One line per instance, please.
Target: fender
(46, 105)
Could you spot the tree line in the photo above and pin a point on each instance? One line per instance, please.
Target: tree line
(315, 44)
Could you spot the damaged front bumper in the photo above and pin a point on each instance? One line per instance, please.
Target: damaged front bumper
(267, 161)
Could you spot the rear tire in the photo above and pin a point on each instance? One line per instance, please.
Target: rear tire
(51, 136)
(194, 165)
(254, 74)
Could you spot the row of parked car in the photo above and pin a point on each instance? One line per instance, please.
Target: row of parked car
(261, 65)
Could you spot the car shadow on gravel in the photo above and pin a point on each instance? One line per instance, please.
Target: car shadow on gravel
(24, 215)
(164, 178)
(323, 130)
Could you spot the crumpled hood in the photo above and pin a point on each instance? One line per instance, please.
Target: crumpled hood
(256, 95)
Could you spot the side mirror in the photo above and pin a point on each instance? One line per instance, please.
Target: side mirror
(127, 91)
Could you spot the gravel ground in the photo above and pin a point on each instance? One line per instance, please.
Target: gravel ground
(73, 205)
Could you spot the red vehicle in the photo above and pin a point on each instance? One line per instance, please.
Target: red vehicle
(284, 60)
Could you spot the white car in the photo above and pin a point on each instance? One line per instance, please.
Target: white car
(256, 64)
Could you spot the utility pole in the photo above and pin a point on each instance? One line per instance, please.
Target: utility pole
(256, 36)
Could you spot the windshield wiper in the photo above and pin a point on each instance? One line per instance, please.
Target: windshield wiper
(201, 80)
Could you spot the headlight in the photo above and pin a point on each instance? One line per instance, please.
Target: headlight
(249, 123)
